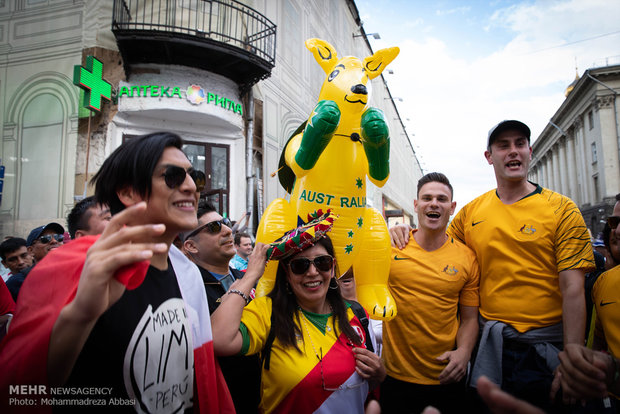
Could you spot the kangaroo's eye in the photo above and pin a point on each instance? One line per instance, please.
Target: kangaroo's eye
(333, 75)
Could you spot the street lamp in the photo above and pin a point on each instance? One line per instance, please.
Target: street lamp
(374, 35)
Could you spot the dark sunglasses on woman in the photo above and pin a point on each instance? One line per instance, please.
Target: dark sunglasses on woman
(613, 221)
(174, 176)
(300, 265)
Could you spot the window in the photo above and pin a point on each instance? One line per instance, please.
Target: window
(596, 190)
(292, 33)
(594, 155)
(40, 161)
(214, 160)
(590, 120)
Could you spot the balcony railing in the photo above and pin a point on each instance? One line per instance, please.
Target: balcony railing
(224, 26)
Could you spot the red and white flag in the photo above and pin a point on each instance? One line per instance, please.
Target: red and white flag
(51, 285)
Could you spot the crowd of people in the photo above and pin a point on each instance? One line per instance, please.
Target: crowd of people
(152, 302)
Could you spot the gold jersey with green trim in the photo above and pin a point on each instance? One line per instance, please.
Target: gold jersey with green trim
(521, 248)
(319, 379)
(606, 297)
(427, 288)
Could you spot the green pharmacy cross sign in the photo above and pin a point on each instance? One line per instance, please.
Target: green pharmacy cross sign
(90, 78)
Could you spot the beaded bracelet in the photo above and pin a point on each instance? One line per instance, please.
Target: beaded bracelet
(240, 293)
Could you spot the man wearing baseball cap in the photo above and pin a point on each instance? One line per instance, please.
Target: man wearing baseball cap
(40, 242)
(533, 249)
(44, 239)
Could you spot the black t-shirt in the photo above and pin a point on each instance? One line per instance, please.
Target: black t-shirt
(140, 349)
(242, 373)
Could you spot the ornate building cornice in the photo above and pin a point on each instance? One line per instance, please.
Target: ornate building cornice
(604, 101)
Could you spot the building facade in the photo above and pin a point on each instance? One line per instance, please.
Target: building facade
(232, 78)
(578, 152)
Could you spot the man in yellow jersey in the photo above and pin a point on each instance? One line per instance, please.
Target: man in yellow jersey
(606, 293)
(533, 249)
(434, 281)
(590, 374)
(611, 238)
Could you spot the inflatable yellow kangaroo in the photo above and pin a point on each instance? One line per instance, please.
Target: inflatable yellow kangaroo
(324, 166)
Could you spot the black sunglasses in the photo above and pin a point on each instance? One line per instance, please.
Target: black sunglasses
(213, 227)
(174, 176)
(613, 221)
(48, 238)
(300, 265)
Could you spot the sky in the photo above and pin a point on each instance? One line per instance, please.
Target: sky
(464, 66)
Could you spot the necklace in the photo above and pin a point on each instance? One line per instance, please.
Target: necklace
(320, 358)
(303, 321)
(318, 319)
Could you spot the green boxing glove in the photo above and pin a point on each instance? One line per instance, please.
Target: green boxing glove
(319, 131)
(376, 141)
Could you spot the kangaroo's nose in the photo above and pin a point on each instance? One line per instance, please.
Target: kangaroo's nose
(359, 89)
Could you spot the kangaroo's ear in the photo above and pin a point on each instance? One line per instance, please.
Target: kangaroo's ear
(375, 64)
(324, 53)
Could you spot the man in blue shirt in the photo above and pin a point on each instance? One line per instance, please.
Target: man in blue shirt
(244, 248)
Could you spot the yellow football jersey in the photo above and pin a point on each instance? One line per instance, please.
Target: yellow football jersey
(521, 248)
(321, 378)
(427, 288)
(606, 297)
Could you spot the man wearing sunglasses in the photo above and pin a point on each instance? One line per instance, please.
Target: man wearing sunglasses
(588, 374)
(210, 247)
(40, 242)
(611, 236)
(44, 239)
(124, 311)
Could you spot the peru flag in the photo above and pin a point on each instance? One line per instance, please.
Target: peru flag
(51, 285)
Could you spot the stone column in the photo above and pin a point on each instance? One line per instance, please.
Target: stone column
(556, 168)
(580, 148)
(608, 153)
(563, 167)
(540, 170)
(572, 166)
(548, 170)
(533, 173)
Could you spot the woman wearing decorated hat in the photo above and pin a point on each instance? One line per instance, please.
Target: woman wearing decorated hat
(312, 342)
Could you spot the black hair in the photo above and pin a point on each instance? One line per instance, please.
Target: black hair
(131, 165)
(78, 217)
(435, 177)
(238, 237)
(204, 207)
(285, 306)
(10, 245)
